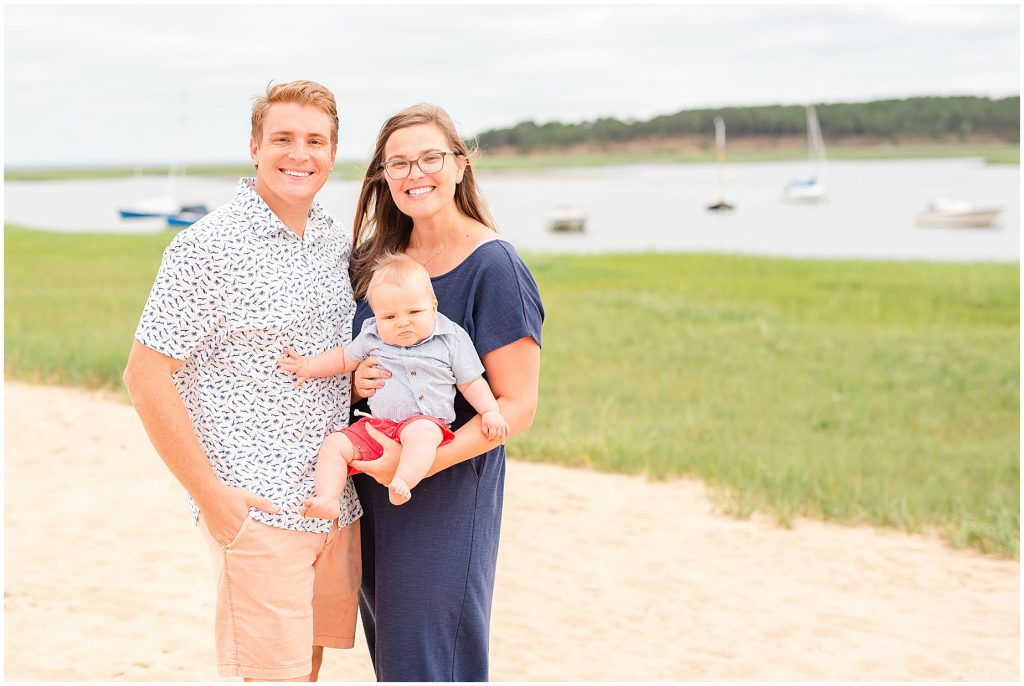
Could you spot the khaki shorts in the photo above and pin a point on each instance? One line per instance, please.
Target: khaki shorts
(281, 592)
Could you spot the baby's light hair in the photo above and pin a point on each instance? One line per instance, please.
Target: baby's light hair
(398, 269)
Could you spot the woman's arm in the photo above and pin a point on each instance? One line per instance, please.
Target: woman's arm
(513, 372)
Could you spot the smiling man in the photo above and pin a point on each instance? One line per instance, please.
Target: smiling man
(268, 270)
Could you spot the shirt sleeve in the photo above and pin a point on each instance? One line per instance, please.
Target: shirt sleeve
(465, 361)
(506, 303)
(359, 348)
(184, 313)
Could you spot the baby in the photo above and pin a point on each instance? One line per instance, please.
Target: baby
(428, 355)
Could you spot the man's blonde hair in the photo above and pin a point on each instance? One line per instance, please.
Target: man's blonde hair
(301, 92)
(398, 269)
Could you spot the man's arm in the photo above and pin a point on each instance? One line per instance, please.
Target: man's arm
(151, 388)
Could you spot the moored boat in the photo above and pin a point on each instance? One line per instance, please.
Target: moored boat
(946, 213)
(187, 216)
(812, 188)
(567, 219)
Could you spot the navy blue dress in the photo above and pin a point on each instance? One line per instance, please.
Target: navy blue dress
(428, 565)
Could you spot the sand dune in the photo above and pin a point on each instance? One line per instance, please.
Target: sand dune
(600, 577)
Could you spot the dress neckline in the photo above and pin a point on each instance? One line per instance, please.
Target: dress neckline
(466, 259)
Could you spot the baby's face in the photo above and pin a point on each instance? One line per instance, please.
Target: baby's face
(405, 315)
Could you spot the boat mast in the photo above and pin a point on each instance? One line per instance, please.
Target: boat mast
(720, 154)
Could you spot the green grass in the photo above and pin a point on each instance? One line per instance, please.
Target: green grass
(1007, 153)
(859, 392)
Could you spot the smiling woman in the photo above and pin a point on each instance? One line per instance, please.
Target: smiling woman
(431, 563)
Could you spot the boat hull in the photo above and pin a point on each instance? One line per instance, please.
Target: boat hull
(974, 219)
(567, 225)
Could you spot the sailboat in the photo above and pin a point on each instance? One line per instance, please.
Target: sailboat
(720, 203)
(159, 206)
(166, 206)
(812, 188)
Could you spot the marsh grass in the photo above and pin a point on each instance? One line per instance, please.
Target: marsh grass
(859, 392)
(849, 391)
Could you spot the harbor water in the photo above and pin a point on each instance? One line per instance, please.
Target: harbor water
(869, 213)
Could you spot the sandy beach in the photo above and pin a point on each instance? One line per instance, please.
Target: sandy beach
(601, 577)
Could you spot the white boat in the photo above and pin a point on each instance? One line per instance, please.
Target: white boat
(812, 188)
(946, 212)
(168, 205)
(721, 203)
(150, 207)
(567, 219)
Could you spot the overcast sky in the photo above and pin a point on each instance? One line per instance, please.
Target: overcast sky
(159, 83)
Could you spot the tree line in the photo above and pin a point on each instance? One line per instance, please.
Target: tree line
(920, 118)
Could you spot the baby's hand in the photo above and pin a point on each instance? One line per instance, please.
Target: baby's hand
(297, 364)
(494, 426)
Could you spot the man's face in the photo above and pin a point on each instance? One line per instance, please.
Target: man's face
(294, 156)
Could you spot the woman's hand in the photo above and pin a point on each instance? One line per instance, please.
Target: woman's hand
(384, 467)
(368, 377)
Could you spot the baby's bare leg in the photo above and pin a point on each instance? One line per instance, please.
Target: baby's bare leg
(329, 478)
(419, 445)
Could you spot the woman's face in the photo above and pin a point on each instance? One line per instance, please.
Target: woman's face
(421, 195)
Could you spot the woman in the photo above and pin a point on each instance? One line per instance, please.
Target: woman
(428, 566)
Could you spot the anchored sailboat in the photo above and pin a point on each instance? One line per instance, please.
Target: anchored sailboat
(720, 203)
(812, 188)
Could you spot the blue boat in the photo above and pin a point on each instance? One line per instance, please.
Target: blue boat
(188, 216)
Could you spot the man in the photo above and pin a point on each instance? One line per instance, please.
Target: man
(268, 270)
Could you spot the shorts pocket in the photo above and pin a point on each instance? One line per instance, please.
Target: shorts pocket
(241, 530)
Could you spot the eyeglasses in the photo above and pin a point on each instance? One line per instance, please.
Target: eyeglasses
(429, 163)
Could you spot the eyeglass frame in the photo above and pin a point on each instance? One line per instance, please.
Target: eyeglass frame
(443, 154)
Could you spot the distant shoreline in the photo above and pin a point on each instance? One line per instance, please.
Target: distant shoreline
(676, 151)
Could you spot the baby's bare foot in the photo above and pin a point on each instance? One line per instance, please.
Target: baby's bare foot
(398, 492)
(320, 507)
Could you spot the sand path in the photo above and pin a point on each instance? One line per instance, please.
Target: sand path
(600, 577)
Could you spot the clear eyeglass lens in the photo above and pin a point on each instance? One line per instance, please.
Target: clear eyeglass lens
(431, 163)
(397, 169)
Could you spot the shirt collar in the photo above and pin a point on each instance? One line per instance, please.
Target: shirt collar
(266, 224)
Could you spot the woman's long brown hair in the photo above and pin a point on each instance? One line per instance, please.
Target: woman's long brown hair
(379, 226)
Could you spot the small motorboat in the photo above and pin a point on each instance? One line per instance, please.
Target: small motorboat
(949, 213)
(567, 219)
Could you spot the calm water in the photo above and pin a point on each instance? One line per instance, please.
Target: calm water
(870, 212)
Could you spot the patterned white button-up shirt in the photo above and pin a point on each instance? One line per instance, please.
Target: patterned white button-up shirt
(233, 291)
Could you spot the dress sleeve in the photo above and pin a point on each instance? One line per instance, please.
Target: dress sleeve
(506, 303)
(184, 312)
